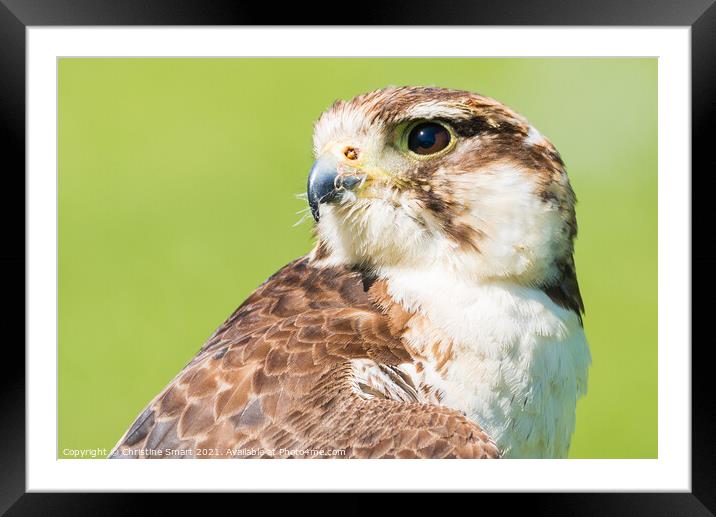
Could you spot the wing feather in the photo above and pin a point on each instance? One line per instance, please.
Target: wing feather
(279, 376)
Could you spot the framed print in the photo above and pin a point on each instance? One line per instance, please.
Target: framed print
(409, 245)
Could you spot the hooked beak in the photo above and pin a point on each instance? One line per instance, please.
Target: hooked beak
(326, 184)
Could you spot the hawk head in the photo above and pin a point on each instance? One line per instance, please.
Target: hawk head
(416, 177)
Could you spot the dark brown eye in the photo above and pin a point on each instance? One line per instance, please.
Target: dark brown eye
(428, 138)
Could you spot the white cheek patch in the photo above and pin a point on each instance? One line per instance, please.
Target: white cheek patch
(521, 232)
(521, 235)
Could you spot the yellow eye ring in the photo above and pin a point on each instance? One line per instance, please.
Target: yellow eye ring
(427, 139)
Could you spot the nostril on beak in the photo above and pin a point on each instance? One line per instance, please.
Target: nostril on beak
(348, 182)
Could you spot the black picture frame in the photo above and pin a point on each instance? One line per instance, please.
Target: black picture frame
(17, 15)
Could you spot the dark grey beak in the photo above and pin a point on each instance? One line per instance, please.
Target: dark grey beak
(325, 184)
(322, 182)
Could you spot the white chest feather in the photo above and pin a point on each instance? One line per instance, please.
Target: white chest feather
(510, 358)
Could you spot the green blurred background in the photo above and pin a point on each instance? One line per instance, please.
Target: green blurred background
(177, 197)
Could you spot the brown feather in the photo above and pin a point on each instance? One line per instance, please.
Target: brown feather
(277, 375)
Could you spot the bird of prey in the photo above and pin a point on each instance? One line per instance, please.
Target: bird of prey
(438, 315)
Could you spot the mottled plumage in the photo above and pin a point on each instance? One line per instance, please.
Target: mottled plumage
(277, 375)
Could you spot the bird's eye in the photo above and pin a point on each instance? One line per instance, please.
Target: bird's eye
(428, 138)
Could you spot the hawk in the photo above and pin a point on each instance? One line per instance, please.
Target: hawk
(437, 316)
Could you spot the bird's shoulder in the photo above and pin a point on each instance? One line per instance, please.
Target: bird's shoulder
(311, 346)
(333, 311)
